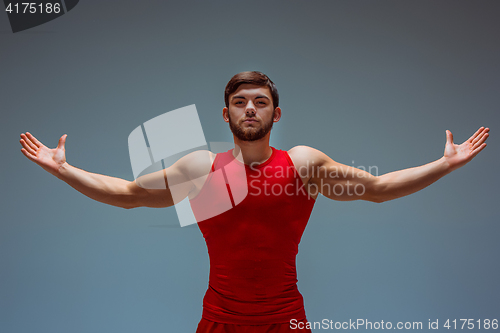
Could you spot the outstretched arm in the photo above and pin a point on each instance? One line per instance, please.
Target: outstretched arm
(109, 190)
(400, 183)
(341, 182)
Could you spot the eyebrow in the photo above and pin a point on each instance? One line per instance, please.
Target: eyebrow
(243, 97)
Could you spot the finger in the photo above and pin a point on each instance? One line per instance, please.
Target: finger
(33, 139)
(484, 132)
(478, 137)
(28, 142)
(475, 134)
(28, 155)
(478, 149)
(480, 141)
(27, 147)
(62, 141)
(449, 137)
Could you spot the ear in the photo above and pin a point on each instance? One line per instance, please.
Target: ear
(277, 114)
(225, 114)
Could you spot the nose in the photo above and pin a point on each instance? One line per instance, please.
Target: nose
(250, 108)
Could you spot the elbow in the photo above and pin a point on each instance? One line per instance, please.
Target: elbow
(126, 205)
(376, 196)
(378, 199)
(377, 191)
(129, 203)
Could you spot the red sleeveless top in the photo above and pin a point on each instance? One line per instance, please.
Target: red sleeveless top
(252, 219)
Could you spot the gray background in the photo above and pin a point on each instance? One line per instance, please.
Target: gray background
(374, 82)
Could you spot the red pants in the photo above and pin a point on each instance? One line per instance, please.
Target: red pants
(206, 326)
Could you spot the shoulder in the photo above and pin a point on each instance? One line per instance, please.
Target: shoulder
(196, 164)
(304, 155)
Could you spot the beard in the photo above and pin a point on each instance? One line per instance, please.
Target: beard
(250, 133)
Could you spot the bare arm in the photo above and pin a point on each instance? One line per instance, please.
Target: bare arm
(109, 190)
(400, 183)
(341, 182)
(114, 191)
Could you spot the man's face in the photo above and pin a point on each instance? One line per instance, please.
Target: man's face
(251, 113)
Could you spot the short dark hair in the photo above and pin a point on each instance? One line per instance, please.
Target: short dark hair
(251, 77)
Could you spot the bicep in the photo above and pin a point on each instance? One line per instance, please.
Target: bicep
(171, 185)
(342, 182)
(162, 188)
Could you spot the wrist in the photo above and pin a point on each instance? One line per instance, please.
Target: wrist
(446, 165)
(62, 170)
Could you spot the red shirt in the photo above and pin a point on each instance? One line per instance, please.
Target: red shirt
(252, 219)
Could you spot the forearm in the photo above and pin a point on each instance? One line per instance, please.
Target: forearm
(404, 182)
(105, 189)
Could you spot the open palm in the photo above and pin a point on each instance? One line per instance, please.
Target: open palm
(459, 155)
(49, 159)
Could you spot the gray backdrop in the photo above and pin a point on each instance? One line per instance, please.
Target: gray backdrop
(370, 83)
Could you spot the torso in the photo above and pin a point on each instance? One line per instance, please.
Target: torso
(295, 154)
(252, 239)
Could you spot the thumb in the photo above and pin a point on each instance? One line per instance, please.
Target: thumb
(62, 141)
(449, 137)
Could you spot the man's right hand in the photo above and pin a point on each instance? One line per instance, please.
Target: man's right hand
(50, 160)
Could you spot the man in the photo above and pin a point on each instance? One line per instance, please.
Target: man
(253, 240)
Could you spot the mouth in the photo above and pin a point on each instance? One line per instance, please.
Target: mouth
(251, 120)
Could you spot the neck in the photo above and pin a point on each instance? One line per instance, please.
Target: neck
(252, 151)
